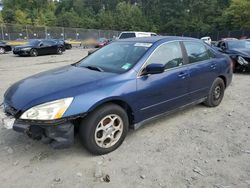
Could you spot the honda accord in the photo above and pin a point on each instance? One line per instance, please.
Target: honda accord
(123, 85)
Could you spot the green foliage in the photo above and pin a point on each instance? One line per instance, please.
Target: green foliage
(237, 15)
(1, 18)
(165, 16)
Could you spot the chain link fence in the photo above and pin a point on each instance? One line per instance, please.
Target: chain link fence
(24, 32)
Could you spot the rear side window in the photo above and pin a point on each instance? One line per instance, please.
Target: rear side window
(196, 52)
(127, 35)
(169, 54)
(48, 42)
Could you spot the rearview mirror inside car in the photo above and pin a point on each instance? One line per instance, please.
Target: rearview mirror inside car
(153, 69)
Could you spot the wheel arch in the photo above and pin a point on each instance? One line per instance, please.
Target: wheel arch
(224, 79)
(122, 103)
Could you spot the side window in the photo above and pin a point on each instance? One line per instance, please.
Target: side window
(169, 54)
(196, 52)
(45, 43)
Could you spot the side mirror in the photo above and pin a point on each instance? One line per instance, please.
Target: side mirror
(41, 44)
(153, 69)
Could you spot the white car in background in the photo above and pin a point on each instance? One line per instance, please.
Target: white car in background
(207, 40)
(132, 34)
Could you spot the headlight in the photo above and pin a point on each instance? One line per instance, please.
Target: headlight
(242, 61)
(25, 49)
(48, 111)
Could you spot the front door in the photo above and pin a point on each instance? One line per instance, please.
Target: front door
(166, 91)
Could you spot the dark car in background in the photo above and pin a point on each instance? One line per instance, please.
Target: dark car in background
(239, 52)
(66, 44)
(101, 42)
(120, 86)
(39, 47)
(4, 47)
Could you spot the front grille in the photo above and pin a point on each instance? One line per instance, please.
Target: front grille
(9, 110)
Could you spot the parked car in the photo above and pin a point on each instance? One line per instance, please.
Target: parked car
(39, 47)
(101, 42)
(239, 52)
(66, 44)
(132, 34)
(89, 43)
(122, 85)
(4, 47)
(207, 40)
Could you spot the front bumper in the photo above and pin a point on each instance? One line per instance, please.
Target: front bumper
(58, 134)
(58, 137)
(241, 65)
(21, 52)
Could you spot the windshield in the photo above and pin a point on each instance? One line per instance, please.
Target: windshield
(117, 57)
(238, 44)
(34, 42)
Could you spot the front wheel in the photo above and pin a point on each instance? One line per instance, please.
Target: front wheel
(104, 129)
(216, 93)
(33, 53)
(2, 50)
(59, 51)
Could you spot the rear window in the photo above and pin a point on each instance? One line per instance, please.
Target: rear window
(127, 35)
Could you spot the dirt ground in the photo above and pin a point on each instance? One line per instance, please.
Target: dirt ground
(197, 147)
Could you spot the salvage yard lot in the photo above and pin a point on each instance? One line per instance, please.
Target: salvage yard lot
(196, 147)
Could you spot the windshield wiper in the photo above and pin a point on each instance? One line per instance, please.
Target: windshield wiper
(94, 68)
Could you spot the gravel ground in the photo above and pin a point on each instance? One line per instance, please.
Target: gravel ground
(197, 147)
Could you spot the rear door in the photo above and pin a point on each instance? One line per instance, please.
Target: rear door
(203, 69)
(48, 47)
(166, 91)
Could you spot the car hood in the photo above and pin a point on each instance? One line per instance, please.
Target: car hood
(245, 52)
(55, 84)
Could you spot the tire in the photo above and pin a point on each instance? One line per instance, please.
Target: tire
(92, 134)
(59, 51)
(2, 50)
(33, 53)
(69, 47)
(216, 93)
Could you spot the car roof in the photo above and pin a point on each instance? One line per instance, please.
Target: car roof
(155, 39)
(137, 32)
(205, 38)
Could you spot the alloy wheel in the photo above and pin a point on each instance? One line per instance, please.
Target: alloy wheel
(217, 92)
(109, 131)
(2, 51)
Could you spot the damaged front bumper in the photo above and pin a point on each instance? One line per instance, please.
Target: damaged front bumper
(58, 134)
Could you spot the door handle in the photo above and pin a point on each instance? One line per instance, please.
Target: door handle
(182, 75)
(213, 66)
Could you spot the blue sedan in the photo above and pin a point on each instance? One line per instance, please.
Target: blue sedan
(121, 86)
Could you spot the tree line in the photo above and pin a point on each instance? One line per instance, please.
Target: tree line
(163, 16)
